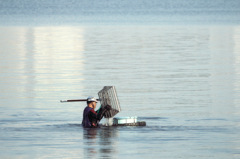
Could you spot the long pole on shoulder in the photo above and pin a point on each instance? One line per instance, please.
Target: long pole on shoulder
(75, 100)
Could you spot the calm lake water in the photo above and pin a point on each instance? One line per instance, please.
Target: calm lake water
(175, 65)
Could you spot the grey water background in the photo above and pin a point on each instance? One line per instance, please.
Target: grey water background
(175, 65)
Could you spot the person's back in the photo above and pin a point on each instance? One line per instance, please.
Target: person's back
(86, 121)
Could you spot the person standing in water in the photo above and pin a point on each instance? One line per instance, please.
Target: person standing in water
(91, 118)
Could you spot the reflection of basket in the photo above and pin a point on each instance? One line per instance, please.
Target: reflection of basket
(108, 96)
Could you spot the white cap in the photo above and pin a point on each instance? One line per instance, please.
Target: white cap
(91, 99)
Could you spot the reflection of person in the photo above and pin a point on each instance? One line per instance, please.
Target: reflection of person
(105, 139)
(91, 118)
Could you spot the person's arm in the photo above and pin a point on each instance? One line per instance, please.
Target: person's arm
(98, 116)
(100, 113)
(92, 114)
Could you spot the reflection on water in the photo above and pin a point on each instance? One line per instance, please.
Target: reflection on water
(90, 136)
(38, 62)
(100, 142)
(224, 69)
(236, 51)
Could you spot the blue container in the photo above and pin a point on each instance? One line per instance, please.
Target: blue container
(124, 120)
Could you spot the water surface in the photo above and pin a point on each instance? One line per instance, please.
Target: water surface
(175, 65)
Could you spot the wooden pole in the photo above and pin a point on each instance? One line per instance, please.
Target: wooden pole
(75, 100)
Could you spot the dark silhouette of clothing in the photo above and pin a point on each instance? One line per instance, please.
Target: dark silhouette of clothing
(91, 118)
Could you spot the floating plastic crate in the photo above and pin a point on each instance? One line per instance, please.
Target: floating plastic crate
(128, 121)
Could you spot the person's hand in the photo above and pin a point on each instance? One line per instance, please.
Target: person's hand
(108, 107)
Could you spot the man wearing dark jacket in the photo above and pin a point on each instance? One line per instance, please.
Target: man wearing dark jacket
(91, 118)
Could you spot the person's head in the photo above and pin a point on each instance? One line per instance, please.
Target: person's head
(92, 102)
